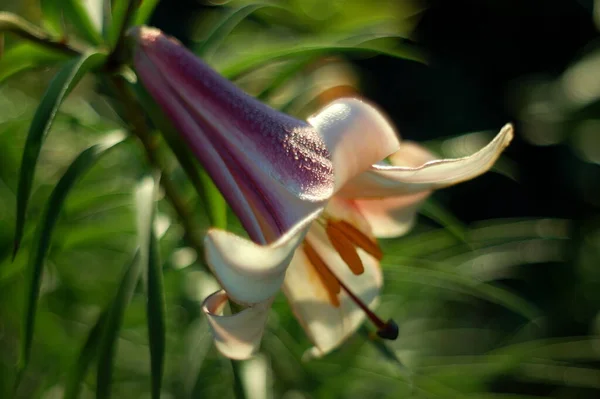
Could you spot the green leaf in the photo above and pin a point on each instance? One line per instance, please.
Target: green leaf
(150, 261)
(44, 231)
(287, 73)
(196, 345)
(145, 208)
(467, 285)
(86, 355)
(25, 56)
(156, 310)
(436, 212)
(144, 12)
(145, 205)
(225, 26)
(52, 16)
(110, 333)
(57, 13)
(311, 48)
(122, 13)
(106, 18)
(118, 11)
(60, 86)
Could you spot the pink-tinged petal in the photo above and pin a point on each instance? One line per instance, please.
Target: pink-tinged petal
(252, 273)
(392, 181)
(393, 216)
(271, 168)
(237, 336)
(356, 134)
(327, 323)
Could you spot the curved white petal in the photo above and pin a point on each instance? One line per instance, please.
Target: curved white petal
(327, 325)
(393, 216)
(237, 336)
(410, 154)
(249, 272)
(356, 134)
(390, 181)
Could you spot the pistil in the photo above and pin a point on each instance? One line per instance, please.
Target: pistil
(333, 286)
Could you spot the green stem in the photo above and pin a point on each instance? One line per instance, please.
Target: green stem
(140, 130)
(17, 25)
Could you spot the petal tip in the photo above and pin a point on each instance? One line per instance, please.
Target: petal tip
(236, 336)
(508, 133)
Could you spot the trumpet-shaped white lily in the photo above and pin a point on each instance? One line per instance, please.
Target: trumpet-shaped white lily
(312, 196)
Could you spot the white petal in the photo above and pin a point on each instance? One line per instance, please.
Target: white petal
(326, 325)
(356, 134)
(237, 336)
(390, 181)
(393, 216)
(249, 272)
(410, 154)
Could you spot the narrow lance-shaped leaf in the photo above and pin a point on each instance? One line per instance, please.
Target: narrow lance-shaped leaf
(106, 18)
(224, 27)
(110, 332)
(57, 13)
(59, 88)
(84, 359)
(144, 11)
(43, 236)
(282, 77)
(155, 303)
(27, 55)
(467, 285)
(259, 58)
(122, 12)
(439, 214)
(156, 310)
(145, 195)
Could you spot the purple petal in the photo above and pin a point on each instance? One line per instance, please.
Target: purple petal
(272, 169)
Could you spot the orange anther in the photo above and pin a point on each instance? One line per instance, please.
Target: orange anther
(358, 238)
(345, 248)
(330, 282)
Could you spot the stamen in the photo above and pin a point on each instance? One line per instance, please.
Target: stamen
(345, 238)
(330, 282)
(345, 248)
(358, 238)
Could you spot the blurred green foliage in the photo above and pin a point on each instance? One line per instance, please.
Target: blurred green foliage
(476, 319)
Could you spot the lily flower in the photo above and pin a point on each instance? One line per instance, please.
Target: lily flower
(313, 196)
